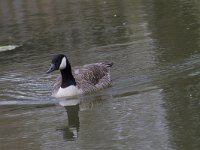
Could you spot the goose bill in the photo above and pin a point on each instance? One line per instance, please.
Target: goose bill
(51, 68)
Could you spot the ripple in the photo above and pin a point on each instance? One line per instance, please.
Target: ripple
(130, 93)
(20, 87)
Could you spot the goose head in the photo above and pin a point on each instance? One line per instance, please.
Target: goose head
(59, 62)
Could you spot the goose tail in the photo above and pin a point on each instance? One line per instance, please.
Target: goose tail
(109, 64)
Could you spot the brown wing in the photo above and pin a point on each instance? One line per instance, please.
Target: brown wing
(92, 77)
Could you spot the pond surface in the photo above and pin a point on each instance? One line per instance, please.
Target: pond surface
(154, 101)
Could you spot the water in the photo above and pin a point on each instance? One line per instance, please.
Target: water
(154, 101)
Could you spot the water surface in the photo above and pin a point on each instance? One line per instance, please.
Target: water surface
(154, 100)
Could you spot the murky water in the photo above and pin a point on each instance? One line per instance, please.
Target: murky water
(154, 101)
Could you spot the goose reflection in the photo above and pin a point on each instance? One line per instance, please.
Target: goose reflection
(73, 106)
(70, 132)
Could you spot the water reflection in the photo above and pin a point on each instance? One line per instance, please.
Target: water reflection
(30, 19)
(72, 107)
(70, 132)
(174, 27)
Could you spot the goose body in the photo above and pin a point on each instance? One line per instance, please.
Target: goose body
(80, 79)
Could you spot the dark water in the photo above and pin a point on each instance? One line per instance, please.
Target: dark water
(154, 102)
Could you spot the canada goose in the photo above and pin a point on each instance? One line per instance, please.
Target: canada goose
(80, 79)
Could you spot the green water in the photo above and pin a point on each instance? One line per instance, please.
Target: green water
(154, 101)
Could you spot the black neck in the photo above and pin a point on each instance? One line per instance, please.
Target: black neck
(67, 77)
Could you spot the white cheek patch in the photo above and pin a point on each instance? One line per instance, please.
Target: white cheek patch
(63, 63)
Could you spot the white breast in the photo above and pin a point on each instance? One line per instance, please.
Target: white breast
(68, 91)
